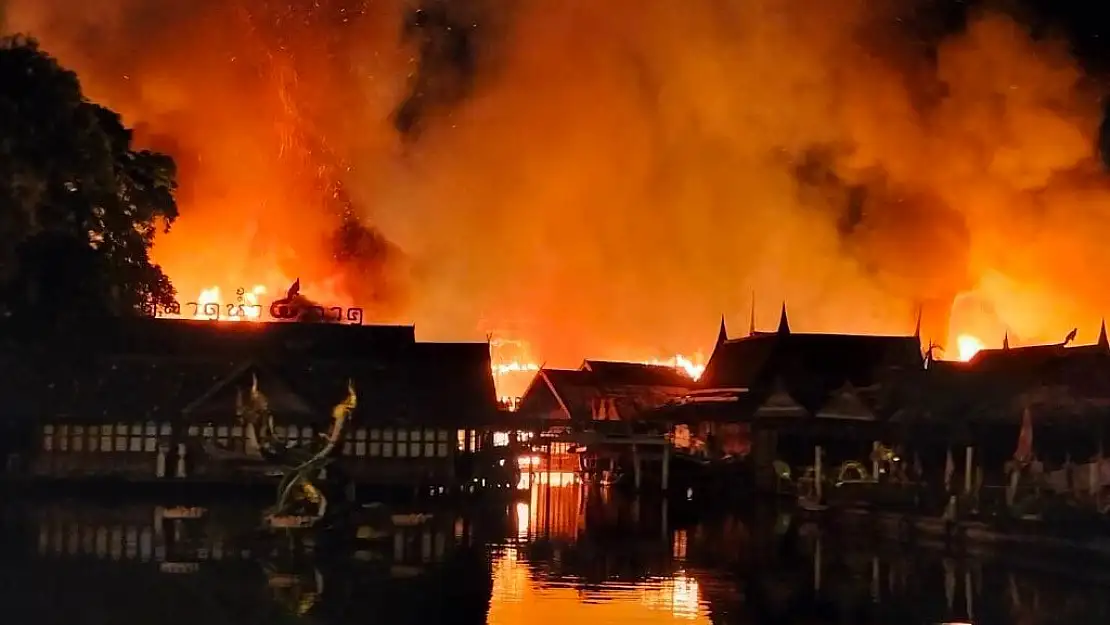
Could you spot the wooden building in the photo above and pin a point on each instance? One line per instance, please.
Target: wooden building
(1062, 389)
(601, 391)
(777, 394)
(148, 399)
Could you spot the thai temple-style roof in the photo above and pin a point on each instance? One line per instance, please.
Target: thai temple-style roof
(157, 369)
(602, 390)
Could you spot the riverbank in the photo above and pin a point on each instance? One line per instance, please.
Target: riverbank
(1040, 552)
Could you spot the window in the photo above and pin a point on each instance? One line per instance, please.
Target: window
(429, 450)
(77, 441)
(414, 450)
(360, 448)
(402, 436)
(63, 438)
(442, 436)
(150, 442)
(194, 431)
(209, 431)
(221, 435)
(106, 438)
(94, 438)
(461, 437)
(442, 450)
(402, 448)
(375, 448)
(360, 434)
(48, 438)
(306, 433)
(167, 429)
(348, 448)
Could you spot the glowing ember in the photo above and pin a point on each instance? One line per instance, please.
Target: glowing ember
(967, 346)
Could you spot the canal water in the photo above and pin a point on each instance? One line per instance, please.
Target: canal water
(557, 556)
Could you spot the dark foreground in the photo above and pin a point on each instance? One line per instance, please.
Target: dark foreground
(560, 556)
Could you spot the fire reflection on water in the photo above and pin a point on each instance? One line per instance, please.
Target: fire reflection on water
(545, 589)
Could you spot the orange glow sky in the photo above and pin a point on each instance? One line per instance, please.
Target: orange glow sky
(611, 177)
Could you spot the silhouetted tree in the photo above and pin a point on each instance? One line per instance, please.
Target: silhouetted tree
(79, 207)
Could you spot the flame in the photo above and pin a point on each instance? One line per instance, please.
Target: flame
(246, 306)
(967, 346)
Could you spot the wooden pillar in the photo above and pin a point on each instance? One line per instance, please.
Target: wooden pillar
(160, 462)
(181, 471)
(875, 460)
(665, 483)
(636, 473)
(969, 469)
(969, 593)
(817, 565)
(818, 473)
(876, 586)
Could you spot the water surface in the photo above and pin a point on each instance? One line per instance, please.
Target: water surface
(561, 555)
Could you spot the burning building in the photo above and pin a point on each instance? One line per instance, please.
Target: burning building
(601, 391)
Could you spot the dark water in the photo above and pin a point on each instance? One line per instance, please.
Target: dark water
(562, 556)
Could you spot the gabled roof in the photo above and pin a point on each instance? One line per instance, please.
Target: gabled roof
(621, 387)
(810, 366)
(144, 336)
(612, 373)
(846, 403)
(222, 398)
(780, 403)
(425, 383)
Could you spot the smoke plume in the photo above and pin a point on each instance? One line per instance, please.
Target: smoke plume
(612, 176)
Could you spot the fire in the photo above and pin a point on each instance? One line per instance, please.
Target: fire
(967, 346)
(692, 367)
(211, 306)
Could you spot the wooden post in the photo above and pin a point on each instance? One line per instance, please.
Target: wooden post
(876, 586)
(665, 484)
(181, 472)
(969, 592)
(875, 460)
(969, 469)
(636, 473)
(818, 473)
(817, 565)
(160, 462)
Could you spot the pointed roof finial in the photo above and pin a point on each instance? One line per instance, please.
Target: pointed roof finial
(722, 335)
(751, 319)
(784, 323)
(1102, 341)
(1006, 340)
(917, 327)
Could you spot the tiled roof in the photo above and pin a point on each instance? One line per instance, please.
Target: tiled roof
(612, 373)
(999, 383)
(614, 389)
(810, 365)
(434, 383)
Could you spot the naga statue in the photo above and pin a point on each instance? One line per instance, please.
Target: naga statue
(300, 502)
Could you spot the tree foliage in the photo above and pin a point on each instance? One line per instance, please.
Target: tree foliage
(79, 205)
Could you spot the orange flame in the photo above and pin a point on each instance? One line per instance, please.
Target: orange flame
(967, 346)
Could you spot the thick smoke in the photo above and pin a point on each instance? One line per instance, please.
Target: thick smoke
(610, 177)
